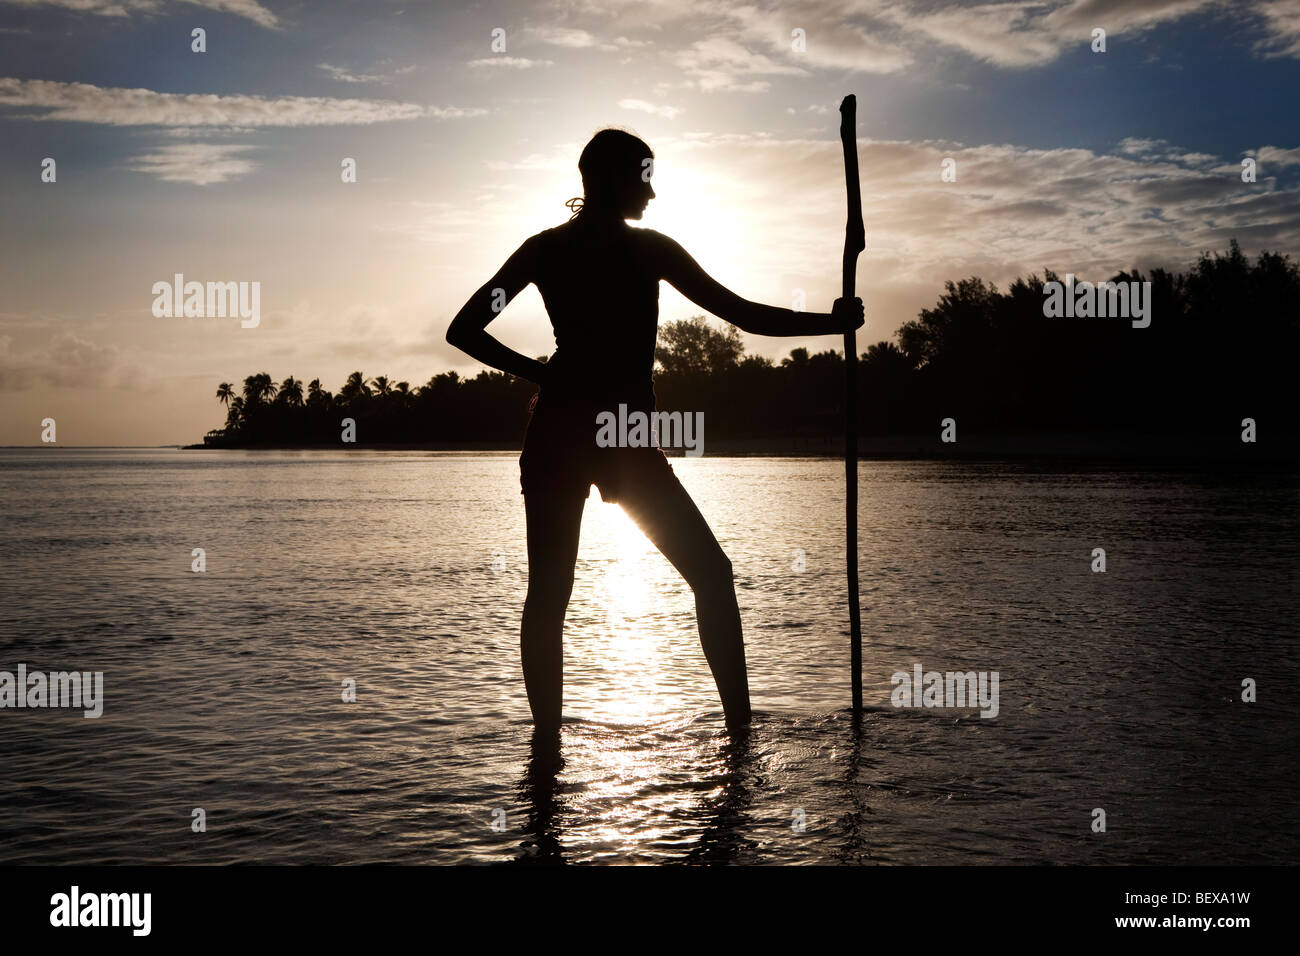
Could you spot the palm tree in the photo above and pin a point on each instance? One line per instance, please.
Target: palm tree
(316, 394)
(355, 387)
(797, 358)
(258, 388)
(291, 391)
(884, 352)
(382, 385)
(225, 392)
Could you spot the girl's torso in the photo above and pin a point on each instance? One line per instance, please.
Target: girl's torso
(601, 291)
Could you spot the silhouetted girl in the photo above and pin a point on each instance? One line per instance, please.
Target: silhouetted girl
(599, 279)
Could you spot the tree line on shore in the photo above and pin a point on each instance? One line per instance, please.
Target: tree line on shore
(1221, 345)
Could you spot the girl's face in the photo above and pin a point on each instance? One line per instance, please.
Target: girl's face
(636, 192)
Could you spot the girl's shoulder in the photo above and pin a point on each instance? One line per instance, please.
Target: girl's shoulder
(546, 236)
(542, 245)
(659, 249)
(557, 237)
(568, 242)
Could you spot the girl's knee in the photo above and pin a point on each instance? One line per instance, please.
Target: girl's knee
(713, 573)
(548, 593)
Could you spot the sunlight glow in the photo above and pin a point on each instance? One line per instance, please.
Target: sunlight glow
(686, 214)
(627, 591)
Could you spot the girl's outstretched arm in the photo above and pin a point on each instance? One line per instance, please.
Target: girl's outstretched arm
(686, 276)
(468, 330)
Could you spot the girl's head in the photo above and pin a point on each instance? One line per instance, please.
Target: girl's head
(616, 168)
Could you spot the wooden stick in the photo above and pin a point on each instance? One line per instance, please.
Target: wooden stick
(854, 242)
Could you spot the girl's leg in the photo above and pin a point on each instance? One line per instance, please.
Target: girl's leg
(654, 498)
(554, 522)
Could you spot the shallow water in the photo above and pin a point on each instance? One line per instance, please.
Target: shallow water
(405, 572)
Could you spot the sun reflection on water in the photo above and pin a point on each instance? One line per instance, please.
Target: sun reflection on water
(632, 624)
(628, 650)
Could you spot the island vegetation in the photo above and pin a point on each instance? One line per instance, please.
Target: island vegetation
(1220, 347)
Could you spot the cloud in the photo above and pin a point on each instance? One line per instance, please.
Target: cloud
(1275, 156)
(248, 9)
(832, 33)
(1078, 18)
(1149, 150)
(1281, 20)
(436, 221)
(840, 35)
(454, 112)
(998, 33)
(1136, 146)
(204, 132)
(1012, 210)
(718, 63)
(568, 37)
(1159, 149)
(199, 163)
(347, 76)
(581, 39)
(667, 112)
(849, 48)
(114, 106)
(338, 73)
(1026, 34)
(67, 361)
(871, 36)
(509, 63)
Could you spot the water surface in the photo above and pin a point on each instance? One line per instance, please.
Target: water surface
(405, 572)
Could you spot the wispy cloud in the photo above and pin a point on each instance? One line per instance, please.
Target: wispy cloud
(1136, 146)
(347, 76)
(831, 35)
(248, 9)
(560, 158)
(1079, 17)
(720, 64)
(998, 33)
(1276, 156)
(667, 112)
(67, 360)
(1012, 210)
(886, 36)
(113, 106)
(338, 73)
(736, 42)
(1282, 23)
(581, 39)
(200, 163)
(1027, 34)
(508, 63)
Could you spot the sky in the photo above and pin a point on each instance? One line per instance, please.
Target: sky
(465, 122)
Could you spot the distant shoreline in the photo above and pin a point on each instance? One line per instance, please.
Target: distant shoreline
(1120, 446)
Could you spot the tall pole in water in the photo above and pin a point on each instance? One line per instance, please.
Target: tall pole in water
(854, 242)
